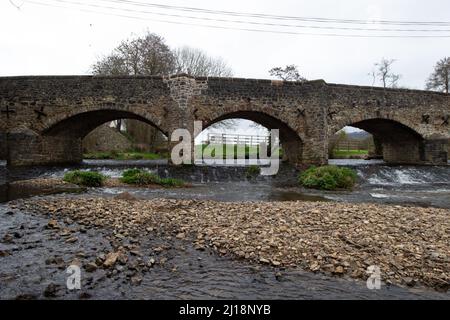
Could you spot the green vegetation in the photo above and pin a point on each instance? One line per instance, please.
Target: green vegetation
(328, 178)
(171, 182)
(225, 150)
(85, 178)
(252, 171)
(141, 178)
(339, 154)
(132, 155)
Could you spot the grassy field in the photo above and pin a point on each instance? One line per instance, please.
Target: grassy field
(135, 155)
(349, 153)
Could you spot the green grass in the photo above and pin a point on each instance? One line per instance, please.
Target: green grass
(171, 182)
(85, 178)
(224, 150)
(132, 155)
(252, 171)
(141, 178)
(328, 178)
(348, 153)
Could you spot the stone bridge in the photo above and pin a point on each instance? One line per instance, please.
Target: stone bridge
(43, 119)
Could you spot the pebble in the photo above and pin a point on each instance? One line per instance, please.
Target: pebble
(317, 236)
(51, 290)
(90, 267)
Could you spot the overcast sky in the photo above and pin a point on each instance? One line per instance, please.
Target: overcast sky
(44, 40)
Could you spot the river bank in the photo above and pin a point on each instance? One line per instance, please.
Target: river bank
(37, 258)
(411, 245)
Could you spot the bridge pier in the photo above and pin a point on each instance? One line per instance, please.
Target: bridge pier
(26, 147)
(431, 151)
(435, 151)
(3, 146)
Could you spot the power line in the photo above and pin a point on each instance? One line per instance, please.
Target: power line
(280, 17)
(236, 28)
(250, 22)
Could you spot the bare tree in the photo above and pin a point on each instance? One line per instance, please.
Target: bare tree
(383, 71)
(150, 55)
(288, 73)
(440, 78)
(146, 55)
(197, 63)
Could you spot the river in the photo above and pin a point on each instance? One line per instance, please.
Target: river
(203, 274)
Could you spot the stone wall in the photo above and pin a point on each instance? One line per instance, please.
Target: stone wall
(26, 148)
(106, 138)
(3, 147)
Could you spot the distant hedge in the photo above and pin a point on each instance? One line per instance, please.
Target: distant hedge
(328, 178)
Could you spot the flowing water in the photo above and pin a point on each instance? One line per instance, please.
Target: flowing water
(378, 182)
(204, 274)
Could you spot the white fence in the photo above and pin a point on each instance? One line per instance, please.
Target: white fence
(236, 139)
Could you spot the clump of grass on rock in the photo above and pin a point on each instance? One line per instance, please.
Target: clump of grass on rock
(141, 178)
(85, 178)
(252, 171)
(328, 178)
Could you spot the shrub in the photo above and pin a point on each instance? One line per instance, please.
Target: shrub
(142, 177)
(85, 178)
(252, 171)
(328, 178)
(139, 177)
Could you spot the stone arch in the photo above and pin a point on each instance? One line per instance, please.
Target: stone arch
(291, 141)
(79, 124)
(400, 143)
(59, 139)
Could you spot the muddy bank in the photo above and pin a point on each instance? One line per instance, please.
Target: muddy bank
(411, 245)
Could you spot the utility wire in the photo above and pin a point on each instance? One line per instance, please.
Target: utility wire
(249, 22)
(280, 17)
(236, 28)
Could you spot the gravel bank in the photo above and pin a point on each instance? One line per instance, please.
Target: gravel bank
(411, 245)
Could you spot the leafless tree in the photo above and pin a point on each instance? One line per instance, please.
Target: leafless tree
(197, 63)
(440, 78)
(150, 55)
(146, 55)
(288, 73)
(383, 71)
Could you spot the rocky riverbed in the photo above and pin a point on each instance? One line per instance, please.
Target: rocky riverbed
(411, 245)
